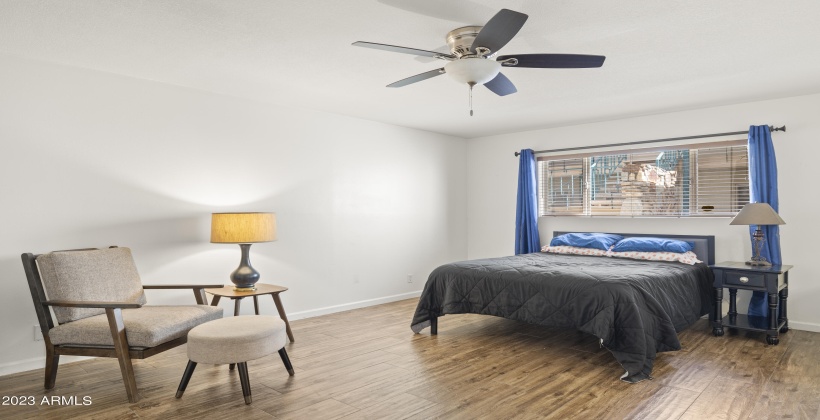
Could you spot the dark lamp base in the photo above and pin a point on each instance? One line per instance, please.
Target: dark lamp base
(245, 276)
(758, 263)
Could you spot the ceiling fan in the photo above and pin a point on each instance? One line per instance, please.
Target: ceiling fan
(473, 58)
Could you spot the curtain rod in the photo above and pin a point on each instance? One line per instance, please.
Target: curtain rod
(567, 149)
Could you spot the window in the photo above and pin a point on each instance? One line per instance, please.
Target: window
(698, 180)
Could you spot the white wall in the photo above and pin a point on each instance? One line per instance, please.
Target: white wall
(94, 159)
(493, 179)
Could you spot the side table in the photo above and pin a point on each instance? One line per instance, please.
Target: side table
(773, 280)
(261, 289)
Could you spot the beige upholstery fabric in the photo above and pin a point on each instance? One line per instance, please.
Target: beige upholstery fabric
(107, 275)
(236, 339)
(144, 327)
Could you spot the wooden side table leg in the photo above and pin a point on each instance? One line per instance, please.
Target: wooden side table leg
(772, 338)
(256, 304)
(784, 317)
(236, 304)
(732, 302)
(282, 315)
(717, 321)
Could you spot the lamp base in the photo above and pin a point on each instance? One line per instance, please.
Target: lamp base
(759, 263)
(757, 242)
(245, 276)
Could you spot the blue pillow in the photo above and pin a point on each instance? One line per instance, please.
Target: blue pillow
(587, 240)
(647, 244)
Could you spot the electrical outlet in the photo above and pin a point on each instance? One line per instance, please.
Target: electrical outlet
(38, 336)
(409, 278)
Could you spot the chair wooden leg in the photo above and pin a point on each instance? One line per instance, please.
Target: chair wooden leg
(121, 347)
(52, 362)
(189, 370)
(245, 381)
(286, 360)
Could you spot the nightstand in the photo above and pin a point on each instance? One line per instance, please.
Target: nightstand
(773, 280)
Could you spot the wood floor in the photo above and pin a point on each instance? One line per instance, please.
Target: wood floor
(367, 363)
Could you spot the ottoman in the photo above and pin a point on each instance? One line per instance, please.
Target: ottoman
(235, 340)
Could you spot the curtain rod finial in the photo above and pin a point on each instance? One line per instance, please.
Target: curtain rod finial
(517, 154)
(773, 128)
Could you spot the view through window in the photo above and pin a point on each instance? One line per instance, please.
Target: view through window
(700, 180)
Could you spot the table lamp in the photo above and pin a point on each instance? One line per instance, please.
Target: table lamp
(243, 229)
(758, 214)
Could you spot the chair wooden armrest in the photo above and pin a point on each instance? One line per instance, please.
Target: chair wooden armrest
(92, 304)
(198, 289)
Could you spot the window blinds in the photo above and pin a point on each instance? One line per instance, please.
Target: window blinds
(698, 181)
(561, 186)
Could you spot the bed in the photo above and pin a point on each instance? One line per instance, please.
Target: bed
(636, 308)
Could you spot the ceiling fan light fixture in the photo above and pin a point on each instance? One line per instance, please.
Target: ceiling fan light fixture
(473, 70)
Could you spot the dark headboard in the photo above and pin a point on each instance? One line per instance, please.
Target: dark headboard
(704, 244)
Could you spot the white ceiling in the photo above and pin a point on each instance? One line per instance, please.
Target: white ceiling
(661, 55)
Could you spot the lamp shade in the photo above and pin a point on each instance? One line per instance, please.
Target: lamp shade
(242, 228)
(757, 214)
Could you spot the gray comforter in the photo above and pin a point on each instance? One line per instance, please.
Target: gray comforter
(635, 307)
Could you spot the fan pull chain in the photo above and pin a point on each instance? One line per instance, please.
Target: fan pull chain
(471, 98)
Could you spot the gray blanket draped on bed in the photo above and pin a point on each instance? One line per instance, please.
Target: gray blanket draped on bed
(635, 307)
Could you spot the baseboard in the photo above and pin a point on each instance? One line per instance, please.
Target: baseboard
(353, 305)
(35, 363)
(804, 326)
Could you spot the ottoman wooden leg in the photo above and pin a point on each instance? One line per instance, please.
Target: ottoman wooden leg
(245, 381)
(189, 370)
(286, 360)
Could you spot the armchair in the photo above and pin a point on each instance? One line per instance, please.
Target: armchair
(101, 310)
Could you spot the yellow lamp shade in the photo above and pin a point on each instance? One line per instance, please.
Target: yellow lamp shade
(242, 228)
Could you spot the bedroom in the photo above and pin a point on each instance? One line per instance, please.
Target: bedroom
(130, 125)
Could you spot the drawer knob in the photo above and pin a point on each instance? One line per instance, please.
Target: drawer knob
(744, 279)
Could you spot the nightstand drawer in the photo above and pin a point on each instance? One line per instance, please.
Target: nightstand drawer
(743, 278)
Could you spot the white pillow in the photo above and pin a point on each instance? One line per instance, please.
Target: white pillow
(574, 250)
(686, 258)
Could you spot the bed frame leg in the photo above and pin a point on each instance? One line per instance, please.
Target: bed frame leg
(433, 325)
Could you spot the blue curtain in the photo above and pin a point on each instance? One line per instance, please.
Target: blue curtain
(526, 212)
(763, 189)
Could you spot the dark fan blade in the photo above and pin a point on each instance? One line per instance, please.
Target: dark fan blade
(501, 85)
(499, 30)
(405, 50)
(555, 61)
(417, 78)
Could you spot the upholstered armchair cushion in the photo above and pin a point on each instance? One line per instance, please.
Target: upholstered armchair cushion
(147, 326)
(106, 275)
